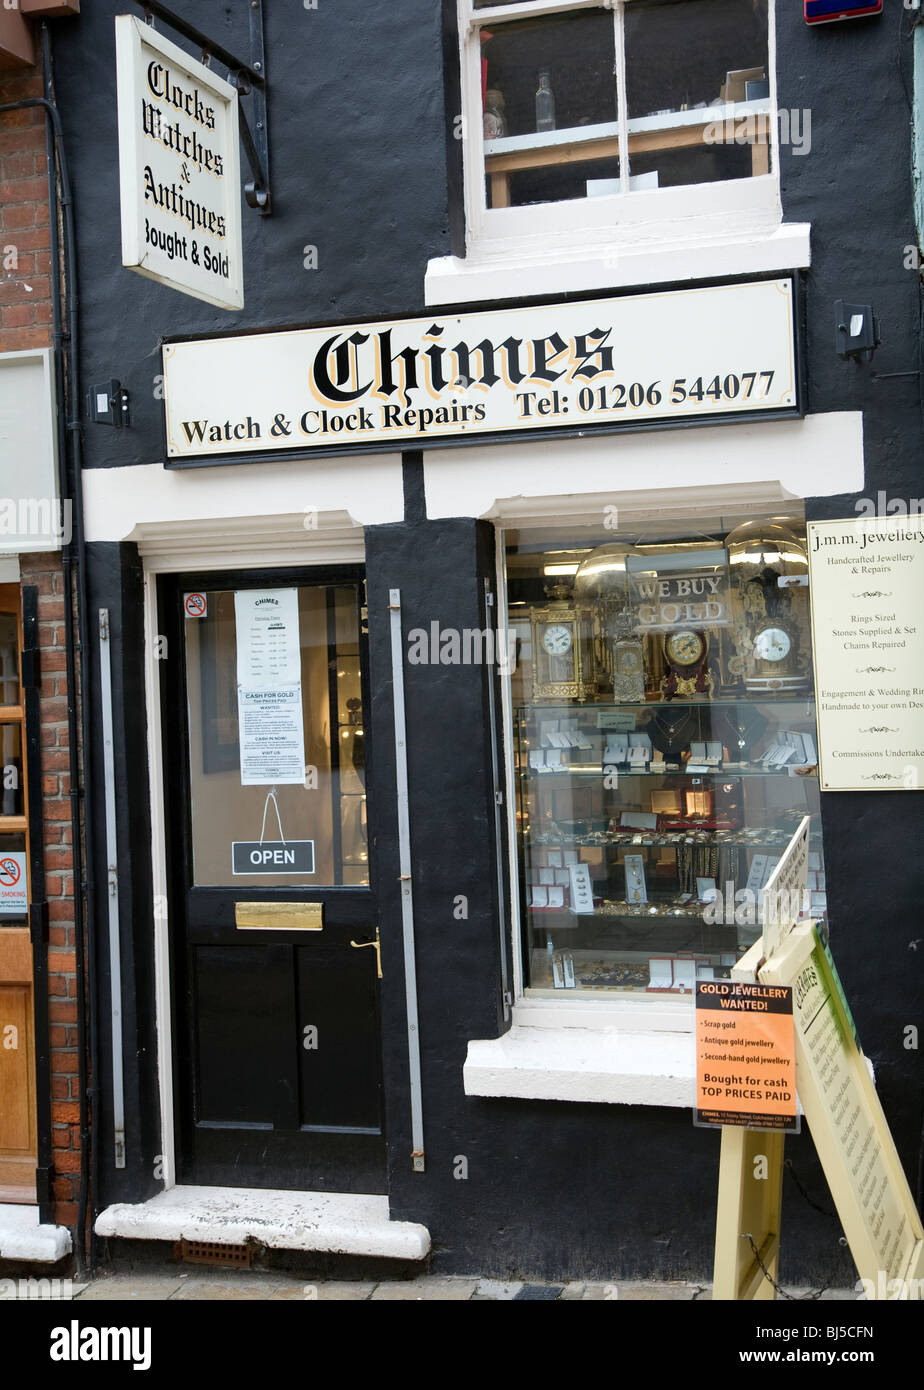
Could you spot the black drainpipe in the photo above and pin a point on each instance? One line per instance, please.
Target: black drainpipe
(74, 569)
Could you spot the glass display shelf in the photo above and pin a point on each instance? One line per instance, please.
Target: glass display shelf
(647, 875)
(722, 773)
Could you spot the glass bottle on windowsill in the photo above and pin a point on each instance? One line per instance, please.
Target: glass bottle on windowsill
(545, 103)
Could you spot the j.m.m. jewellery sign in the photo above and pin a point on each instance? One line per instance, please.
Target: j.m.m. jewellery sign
(867, 577)
(698, 354)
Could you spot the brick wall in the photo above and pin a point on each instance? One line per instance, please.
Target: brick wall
(25, 263)
(25, 322)
(44, 572)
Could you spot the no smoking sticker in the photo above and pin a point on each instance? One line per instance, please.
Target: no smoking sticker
(195, 605)
(13, 895)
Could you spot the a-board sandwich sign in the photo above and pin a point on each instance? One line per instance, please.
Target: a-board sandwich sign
(849, 1129)
(179, 168)
(785, 897)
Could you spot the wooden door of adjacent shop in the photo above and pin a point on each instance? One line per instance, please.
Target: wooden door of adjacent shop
(273, 907)
(17, 1052)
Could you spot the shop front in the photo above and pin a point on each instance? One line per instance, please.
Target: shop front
(465, 765)
(441, 681)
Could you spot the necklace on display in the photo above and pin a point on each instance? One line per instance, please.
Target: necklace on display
(670, 728)
(743, 730)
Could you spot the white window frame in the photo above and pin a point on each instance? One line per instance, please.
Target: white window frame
(630, 1049)
(638, 237)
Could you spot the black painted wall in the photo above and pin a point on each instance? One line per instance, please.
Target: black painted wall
(362, 158)
(855, 189)
(115, 584)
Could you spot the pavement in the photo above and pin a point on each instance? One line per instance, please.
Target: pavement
(220, 1285)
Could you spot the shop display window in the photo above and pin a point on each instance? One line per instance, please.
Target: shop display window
(581, 101)
(665, 748)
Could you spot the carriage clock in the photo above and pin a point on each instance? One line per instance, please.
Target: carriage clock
(563, 653)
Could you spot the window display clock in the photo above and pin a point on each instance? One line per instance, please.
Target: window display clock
(558, 639)
(686, 652)
(772, 644)
(769, 608)
(774, 658)
(628, 670)
(562, 652)
(628, 660)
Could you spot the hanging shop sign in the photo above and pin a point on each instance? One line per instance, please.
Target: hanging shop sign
(179, 168)
(269, 688)
(866, 581)
(702, 354)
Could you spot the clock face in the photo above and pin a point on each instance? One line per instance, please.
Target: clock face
(557, 639)
(772, 644)
(628, 661)
(684, 648)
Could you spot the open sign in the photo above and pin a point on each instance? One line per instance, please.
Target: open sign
(272, 857)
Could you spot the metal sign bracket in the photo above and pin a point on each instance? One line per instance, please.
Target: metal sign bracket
(248, 78)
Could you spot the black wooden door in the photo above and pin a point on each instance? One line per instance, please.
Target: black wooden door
(275, 993)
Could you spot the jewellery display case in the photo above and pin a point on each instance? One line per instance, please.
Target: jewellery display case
(663, 768)
(647, 834)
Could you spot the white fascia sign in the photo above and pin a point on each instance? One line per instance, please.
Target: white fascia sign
(673, 356)
(179, 168)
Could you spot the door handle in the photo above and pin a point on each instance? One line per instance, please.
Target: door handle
(358, 945)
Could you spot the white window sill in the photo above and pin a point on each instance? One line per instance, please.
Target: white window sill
(633, 1052)
(518, 274)
(625, 1052)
